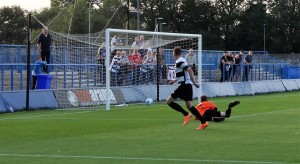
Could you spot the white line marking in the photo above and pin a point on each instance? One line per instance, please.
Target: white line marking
(39, 116)
(143, 159)
(255, 114)
(111, 119)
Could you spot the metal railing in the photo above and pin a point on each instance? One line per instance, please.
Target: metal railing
(13, 76)
(252, 72)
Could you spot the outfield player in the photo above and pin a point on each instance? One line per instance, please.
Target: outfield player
(185, 77)
(210, 112)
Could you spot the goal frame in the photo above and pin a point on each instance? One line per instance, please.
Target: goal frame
(108, 33)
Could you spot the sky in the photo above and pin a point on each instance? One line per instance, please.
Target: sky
(26, 4)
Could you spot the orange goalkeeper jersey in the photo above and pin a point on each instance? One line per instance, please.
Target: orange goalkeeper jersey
(204, 106)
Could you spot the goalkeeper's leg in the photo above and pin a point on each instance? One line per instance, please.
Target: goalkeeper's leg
(230, 106)
(214, 115)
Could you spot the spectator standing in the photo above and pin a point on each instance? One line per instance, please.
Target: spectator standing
(230, 59)
(224, 67)
(238, 59)
(101, 61)
(101, 54)
(136, 60)
(161, 63)
(143, 46)
(115, 68)
(125, 70)
(44, 45)
(136, 44)
(38, 69)
(148, 66)
(247, 65)
(114, 43)
(191, 60)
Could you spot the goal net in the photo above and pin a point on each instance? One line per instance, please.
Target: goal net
(78, 74)
(139, 64)
(118, 67)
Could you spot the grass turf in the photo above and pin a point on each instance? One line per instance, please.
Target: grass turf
(263, 129)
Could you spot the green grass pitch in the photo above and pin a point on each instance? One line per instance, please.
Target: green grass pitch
(263, 129)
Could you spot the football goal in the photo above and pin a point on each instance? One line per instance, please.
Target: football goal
(139, 64)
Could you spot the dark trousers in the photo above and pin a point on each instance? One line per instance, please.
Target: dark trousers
(45, 57)
(246, 72)
(224, 75)
(34, 79)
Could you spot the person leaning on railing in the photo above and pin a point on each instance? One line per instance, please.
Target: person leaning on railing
(38, 69)
(224, 67)
(230, 59)
(236, 71)
(135, 60)
(148, 66)
(125, 67)
(247, 65)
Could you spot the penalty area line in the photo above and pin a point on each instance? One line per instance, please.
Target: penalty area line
(140, 158)
(48, 115)
(257, 114)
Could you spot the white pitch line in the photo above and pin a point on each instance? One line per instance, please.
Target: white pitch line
(256, 114)
(144, 159)
(111, 119)
(48, 115)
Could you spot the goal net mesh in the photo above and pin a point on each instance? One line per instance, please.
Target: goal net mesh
(121, 67)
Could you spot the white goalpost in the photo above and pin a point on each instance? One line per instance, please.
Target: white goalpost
(138, 62)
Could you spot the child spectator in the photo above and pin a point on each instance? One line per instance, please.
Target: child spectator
(38, 69)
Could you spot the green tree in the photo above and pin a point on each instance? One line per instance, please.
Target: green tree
(193, 16)
(13, 24)
(228, 12)
(285, 27)
(76, 15)
(249, 32)
(201, 17)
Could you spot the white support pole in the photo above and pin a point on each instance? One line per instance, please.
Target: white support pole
(89, 53)
(156, 33)
(200, 67)
(107, 59)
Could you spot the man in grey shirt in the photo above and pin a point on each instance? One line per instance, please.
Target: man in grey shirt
(247, 64)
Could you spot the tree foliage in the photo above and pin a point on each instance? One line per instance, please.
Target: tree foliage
(224, 24)
(13, 25)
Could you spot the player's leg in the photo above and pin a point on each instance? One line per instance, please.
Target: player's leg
(194, 111)
(177, 107)
(214, 115)
(187, 95)
(230, 106)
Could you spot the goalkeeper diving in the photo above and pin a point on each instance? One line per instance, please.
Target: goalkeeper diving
(210, 112)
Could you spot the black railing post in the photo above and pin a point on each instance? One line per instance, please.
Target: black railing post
(28, 62)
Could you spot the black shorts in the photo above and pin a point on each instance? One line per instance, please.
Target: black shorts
(209, 114)
(184, 92)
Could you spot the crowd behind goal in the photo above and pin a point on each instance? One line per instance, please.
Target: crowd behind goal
(139, 65)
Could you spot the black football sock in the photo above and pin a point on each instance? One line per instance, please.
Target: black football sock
(228, 112)
(197, 114)
(178, 108)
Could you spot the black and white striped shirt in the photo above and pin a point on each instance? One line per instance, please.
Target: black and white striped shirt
(182, 74)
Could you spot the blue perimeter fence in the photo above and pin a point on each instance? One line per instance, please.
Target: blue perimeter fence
(68, 75)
